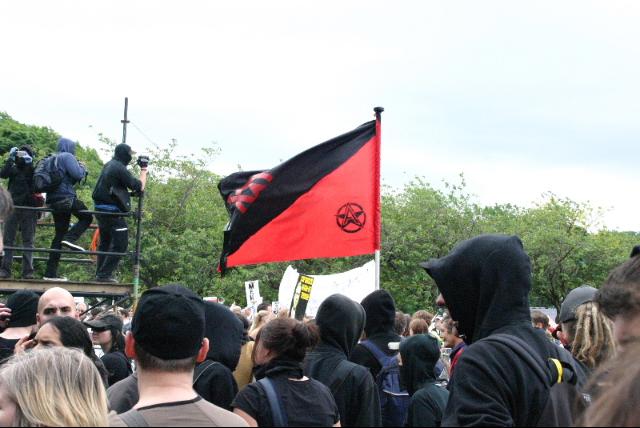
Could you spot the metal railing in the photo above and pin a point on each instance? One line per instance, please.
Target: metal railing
(135, 254)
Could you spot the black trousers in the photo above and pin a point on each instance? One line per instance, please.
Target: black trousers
(114, 238)
(26, 222)
(63, 233)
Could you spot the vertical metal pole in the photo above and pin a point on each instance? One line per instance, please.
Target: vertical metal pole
(125, 120)
(136, 261)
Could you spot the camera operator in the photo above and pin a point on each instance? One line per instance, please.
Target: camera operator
(112, 195)
(19, 170)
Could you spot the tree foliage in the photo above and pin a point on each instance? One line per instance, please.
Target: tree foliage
(185, 217)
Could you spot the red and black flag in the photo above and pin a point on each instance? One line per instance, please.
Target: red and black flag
(323, 203)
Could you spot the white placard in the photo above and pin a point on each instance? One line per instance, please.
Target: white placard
(252, 289)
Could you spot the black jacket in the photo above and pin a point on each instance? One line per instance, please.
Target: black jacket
(20, 181)
(420, 354)
(381, 316)
(116, 178)
(225, 332)
(340, 321)
(486, 282)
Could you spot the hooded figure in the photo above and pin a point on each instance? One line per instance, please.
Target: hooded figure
(24, 306)
(65, 202)
(112, 194)
(380, 310)
(420, 354)
(341, 321)
(214, 379)
(19, 170)
(485, 282)
(73, 172)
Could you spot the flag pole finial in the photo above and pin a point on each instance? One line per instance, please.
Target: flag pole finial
(378, 110)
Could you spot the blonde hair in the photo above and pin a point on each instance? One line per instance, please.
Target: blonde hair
(591, 335)
(55, 387)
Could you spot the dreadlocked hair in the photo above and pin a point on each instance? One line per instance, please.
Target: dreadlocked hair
(591, 336)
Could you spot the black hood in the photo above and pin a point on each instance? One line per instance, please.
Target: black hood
(485, 282)
(123, 154)
(24, 306)
(225, 332)
(381, 313)
(420, 354)
(341, 321)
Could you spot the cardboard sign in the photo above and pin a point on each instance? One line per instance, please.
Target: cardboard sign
(252, 289)
(301, 296)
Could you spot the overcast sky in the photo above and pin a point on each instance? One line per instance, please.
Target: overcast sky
(521, 97)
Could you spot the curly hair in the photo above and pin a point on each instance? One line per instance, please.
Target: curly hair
(591, 336)
(620, 295)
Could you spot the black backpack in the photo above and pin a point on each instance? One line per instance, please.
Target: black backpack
(564, 377)
(394, 399)
(47, 177)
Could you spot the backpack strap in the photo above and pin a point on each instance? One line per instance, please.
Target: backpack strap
(377, 353)
(533, 360)
(275, 404)
(340, 374)
(201, 369)
(134, 418)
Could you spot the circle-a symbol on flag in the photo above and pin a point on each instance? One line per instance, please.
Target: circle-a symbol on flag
(351, 218)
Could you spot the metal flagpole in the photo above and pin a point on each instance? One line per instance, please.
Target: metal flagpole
(378, 111)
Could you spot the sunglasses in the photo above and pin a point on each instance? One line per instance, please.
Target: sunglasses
(99, 330)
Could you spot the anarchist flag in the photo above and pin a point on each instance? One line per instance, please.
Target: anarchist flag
(323, 203)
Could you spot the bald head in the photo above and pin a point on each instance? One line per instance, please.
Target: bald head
(56, 302)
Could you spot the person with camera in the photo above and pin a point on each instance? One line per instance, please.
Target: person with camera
(19, 170)
(111, 195)
(64, 202)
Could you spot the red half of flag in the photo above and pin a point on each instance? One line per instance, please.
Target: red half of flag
(323, 203)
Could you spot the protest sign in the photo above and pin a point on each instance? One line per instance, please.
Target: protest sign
(355, 284)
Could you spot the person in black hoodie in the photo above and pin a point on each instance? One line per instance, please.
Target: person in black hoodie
(420, 354)
(111, 195)
(485, 283)
(380, 310)
(341, 322)
(19, 170)
(213, 378)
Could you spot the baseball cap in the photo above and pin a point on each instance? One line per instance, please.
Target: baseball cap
(104, 322)
(575, 298)
(169, 322)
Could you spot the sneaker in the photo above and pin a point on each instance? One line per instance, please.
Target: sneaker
(28, 276)
(61, 279)
(107, 280)
(72, 246)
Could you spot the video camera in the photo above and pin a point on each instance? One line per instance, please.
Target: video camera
(143, 162)
(22, 158)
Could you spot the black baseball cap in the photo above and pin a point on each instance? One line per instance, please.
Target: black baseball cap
(106, 321)
(169, 322)
(575, 298)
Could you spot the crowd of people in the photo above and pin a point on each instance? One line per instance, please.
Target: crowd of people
(485, 358)
(57, 176)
